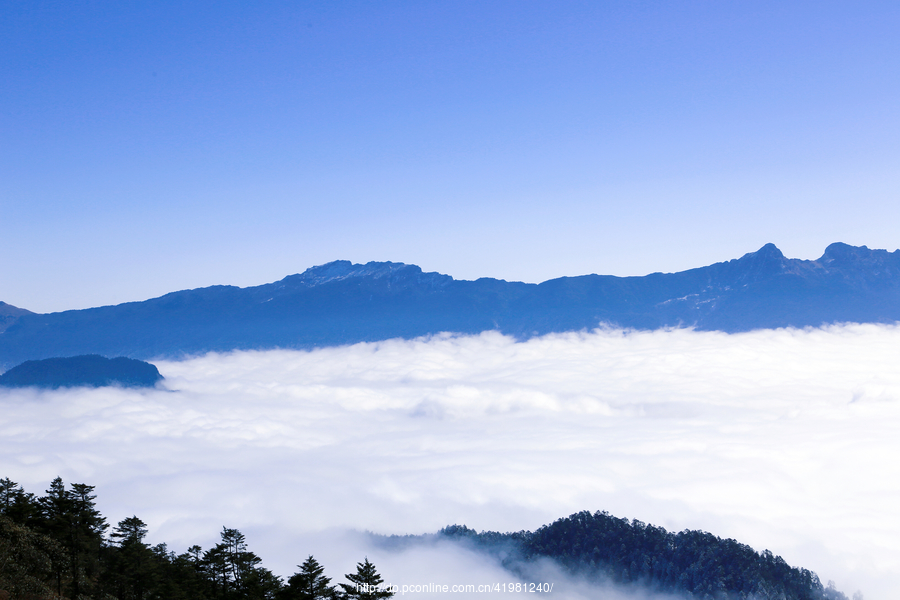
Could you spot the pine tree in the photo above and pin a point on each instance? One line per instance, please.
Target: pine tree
(234, 570)
(365, 584)
(129, 531)
(86, 538)
(133, 564)
(239, 561)
(17, 504)
(55, 511)
(71, 518)
(309, 583)
(9, 489)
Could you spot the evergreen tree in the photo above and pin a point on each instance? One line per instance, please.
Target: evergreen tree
(132, 565)
(87, 526)
(179, 577)
(17, 504)
(234, 570)
(8, 491)
(71, 518)
(261, 584)
(129, 531)
(54, 522)
(216, 571)
(239, 561)
(309, 583)
(365, 584)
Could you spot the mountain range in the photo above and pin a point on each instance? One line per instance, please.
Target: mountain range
(343, 303)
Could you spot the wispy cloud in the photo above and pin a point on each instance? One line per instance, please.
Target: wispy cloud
(781, 439)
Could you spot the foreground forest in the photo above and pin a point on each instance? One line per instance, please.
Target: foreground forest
(60, 546)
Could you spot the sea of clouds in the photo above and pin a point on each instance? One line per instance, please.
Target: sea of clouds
(786, 439)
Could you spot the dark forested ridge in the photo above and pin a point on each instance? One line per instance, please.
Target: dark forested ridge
(343, 303)
(60, 546)
(90, 370)
(694, 563)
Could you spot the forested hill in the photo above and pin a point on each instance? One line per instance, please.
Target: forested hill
(88, 371)
(696, 564)
(342, 303)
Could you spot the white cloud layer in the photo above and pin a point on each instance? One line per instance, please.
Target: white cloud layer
(782, 439)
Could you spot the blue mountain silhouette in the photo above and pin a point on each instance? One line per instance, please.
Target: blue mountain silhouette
(90, 371)
(343, 303)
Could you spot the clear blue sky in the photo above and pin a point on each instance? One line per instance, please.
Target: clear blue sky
(148, 147)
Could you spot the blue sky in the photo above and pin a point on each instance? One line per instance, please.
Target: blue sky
(159, 146)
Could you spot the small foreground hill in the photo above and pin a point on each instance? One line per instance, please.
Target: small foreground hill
(90, 370)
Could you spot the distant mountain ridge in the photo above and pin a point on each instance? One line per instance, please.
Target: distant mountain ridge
(343, 303)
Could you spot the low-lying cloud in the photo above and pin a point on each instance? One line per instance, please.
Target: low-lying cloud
(782, 439)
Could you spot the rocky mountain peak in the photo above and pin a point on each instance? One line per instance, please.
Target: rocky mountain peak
(340, 270)
(768, 252)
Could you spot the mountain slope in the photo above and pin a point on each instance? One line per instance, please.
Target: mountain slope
(9, 314)
(343, 303)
